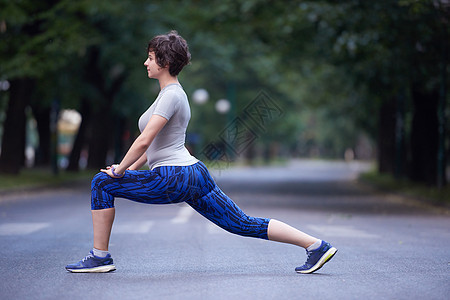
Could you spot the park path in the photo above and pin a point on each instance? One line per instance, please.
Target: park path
(389, 247)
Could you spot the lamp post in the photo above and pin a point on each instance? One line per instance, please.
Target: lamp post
(200, 97)
(223, 107)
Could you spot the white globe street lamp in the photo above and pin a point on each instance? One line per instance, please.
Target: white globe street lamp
(4, 85)
(223, 106)
(200, 96)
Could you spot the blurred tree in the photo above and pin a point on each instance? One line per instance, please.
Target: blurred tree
(232, 51)
(112, 82)
(68, 51)
(35, 44)
(393, 48)
(102, 75)
(342, 66)
(388, 58)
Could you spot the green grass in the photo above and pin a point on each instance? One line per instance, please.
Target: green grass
(32, 178)
(413, 189)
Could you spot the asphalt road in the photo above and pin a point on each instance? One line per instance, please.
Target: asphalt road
(388, 247)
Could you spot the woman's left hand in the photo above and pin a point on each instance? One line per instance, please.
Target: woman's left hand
(109, 171)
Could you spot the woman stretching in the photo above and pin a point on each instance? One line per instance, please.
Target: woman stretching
(174, 175)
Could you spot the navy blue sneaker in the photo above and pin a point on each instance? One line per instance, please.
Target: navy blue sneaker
(92, 264)
(317, 258)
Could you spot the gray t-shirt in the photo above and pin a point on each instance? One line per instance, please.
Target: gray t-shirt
(167, 149)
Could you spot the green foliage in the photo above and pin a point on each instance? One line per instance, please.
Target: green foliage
(38, 37)
(329, 64)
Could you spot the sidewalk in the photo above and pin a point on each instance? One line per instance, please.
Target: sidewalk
(33, 181)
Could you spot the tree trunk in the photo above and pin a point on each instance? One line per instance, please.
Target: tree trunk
(101, 124)
(386, 137)
(80, 139)
(42, 117)
(424, 136)
(400, 136)
(99, 142)
(14, 128)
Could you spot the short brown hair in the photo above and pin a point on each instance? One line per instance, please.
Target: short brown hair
(170, 49)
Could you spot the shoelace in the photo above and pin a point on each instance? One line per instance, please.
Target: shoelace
(87, 257)
(309, 253)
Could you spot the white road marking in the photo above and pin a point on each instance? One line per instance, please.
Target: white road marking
(133, 227)
(21, 228)
(184, 214)
(342, 231)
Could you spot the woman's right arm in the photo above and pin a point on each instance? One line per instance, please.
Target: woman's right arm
(139, 163)
(139, 146)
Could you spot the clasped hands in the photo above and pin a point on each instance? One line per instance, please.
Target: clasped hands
(110, 171)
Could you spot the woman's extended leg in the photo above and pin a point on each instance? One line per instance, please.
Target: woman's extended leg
(217, 207)
(281, 232)
(221, 210)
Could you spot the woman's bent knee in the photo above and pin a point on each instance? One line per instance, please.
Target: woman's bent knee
(99, 177)
(100, 199)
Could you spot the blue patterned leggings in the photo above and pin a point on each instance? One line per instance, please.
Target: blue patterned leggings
(174, 184)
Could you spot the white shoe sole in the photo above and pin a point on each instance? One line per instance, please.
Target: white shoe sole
(325, 258)
(101, 269)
